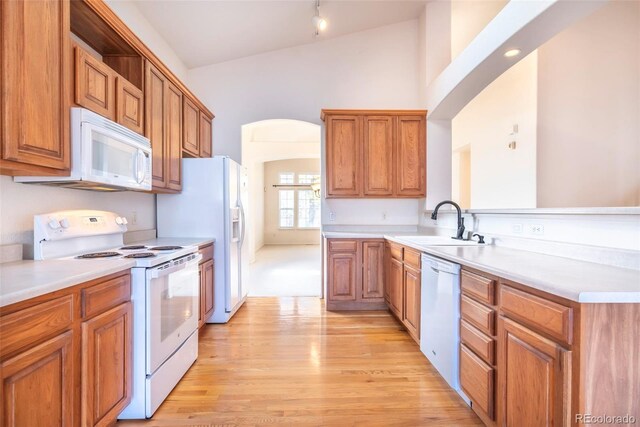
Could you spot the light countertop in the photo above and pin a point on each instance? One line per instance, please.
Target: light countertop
(580, 281)
(179, 241)
(22, 280)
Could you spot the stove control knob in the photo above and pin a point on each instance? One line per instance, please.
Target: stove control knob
(119, 220)
(53, 223)
(64, 223)
(124, 220)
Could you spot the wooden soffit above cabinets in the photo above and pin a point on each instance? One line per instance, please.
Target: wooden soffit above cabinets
(97, 25)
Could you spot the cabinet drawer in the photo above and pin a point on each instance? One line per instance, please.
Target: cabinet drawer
(103, 296)
(477, 380)
(24, 327)
(538, 313)
(341, 245)
(412, 258)
(478, 315)
(207, 253)
(478, 287)
(481, 344)
(396, 251)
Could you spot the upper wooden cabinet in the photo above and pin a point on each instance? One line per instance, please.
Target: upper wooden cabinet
(411, 160)
(344, 165)
(34, 82)
(206, 137)
(378, 155)
(191, 128)
(173, 145)
(100, 89)
(197, 128)
(95, 84)
(129, 105)
(155, 107)
(375, 154)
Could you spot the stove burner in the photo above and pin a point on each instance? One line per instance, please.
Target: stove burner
(141, 255)
(99, 255)
(165, 248)
(132, 248)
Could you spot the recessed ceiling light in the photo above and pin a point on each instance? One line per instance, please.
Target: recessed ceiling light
(511, 53)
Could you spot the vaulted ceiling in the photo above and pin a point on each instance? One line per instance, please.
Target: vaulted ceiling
(210, 31)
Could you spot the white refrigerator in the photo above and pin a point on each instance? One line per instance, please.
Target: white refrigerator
(213, 203)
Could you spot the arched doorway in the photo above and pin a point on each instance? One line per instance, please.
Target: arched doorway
(283, 162)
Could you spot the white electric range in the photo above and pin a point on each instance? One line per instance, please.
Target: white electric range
(165, 296)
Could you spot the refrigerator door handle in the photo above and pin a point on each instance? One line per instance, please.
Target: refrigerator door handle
(243, 224)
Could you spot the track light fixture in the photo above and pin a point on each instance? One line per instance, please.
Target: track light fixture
(319, 23)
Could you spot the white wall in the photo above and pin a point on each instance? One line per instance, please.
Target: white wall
(372, 69)
(468, 18)
(589, 111)
(19, 202)
(502, 177)
(273, 234)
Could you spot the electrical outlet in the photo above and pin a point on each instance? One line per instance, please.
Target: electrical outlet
(384, 216)
(134, 218)
(536, 229)
(516, 228)
(332, 216)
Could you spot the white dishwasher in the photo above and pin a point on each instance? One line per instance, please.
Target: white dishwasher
(440, 318)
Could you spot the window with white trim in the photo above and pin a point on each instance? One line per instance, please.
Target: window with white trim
(298, 208)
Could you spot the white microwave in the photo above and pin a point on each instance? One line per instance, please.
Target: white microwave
(105, 156)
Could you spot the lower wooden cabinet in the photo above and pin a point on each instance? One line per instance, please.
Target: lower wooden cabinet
(355, 274)
(477, 381)
(394, 283)
(535, 378)
(411, 311)
(206, 290)
(72, 362)
(207, 284)
(38, 383)
(404, 280)
(106, 365)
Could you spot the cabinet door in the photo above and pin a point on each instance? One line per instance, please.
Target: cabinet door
(207, 297)
(155, 105)
(395, 287)
(378, 155)
(534, 378)
(387, 267)
(129, 105)
(191, 128)
(411, 160)
(343, 145)
(411, 293)
(206, 139)
(343, 276)
(94, 84)
(173, 122)
(201, 305)
(34, 85)
(372, 270)
(106, 365)
(37, 385)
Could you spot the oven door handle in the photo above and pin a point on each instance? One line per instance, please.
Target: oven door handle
(166, 271)
(161, 272)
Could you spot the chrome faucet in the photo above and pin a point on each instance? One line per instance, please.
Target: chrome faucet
(460, 231)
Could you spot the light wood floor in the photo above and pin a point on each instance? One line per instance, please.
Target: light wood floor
(286, 361)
